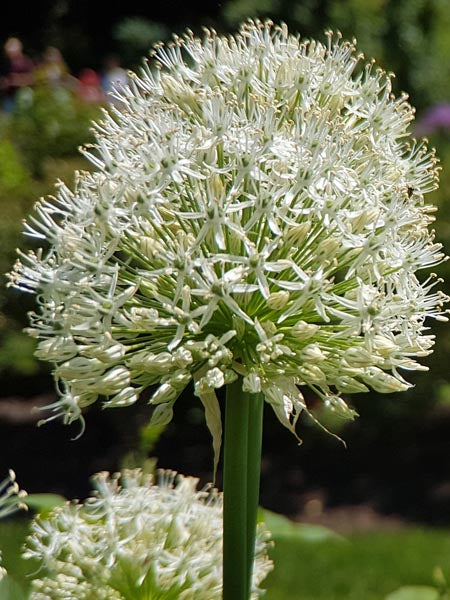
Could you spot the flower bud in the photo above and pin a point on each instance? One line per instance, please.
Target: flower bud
(312, 354)
(251, 383)
(113, 381)
(349, 385)
(297, 234)
(383, 382)
(126, 397)
(303, 331)
(278, 300)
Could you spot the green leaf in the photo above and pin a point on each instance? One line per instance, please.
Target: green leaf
(11, 590)
(282, 527)
(414, 592)
(43, 503)
(214, 422)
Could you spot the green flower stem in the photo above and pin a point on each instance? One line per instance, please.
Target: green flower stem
(242, 458)
(255, 429)
(235, 494)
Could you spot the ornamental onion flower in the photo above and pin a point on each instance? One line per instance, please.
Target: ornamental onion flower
(11, 496)
(134, 540)
(10, 502)
(257, 211)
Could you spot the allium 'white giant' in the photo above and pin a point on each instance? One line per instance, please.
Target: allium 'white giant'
(136, 540)
(10, 502)
(11, 496)
(257, 210)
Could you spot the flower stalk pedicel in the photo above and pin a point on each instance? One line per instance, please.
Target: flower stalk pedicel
(257, 216)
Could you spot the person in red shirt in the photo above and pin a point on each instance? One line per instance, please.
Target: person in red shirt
(89, 86)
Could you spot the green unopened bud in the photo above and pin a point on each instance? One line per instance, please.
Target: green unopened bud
(238, 326)
(383, 382)
(229, 376)
(349, 385)
(312, 354)
(181, 94)
(359, 357)
(363, 219)
(177, 534)
(337, 405)
(297, 234)
(125, 397)
(312, 374)
(270, 328)
(150, 247)
(166, 393)
(113, 381)
(384, 345)
(278, 300)
(328, 248)
(304, 331)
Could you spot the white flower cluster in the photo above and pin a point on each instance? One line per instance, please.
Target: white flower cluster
(10, 502)
(258, 211)
(137, 540)
(11, 496)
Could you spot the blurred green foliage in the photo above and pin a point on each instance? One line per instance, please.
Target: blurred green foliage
(439, 591)
(409, 37)
(50, 122)
(415, 592)
(13, 175)
(15, 189)
(136, 36)
(16, 352)
(38, 144)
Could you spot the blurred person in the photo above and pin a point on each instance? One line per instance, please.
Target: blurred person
(53, 70)
(19, 72)
(114, 78)
(89, 86)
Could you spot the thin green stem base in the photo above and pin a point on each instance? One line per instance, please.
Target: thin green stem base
(242, 461)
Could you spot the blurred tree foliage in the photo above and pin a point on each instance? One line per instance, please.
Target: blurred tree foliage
(15, 199)
(136, 35)
(409, 37)
(50, 122)
(38, 144)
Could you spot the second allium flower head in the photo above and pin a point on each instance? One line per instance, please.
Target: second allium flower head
(136, 540)
(257, 211)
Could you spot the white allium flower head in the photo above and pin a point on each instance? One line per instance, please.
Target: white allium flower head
(11, 497)
(137, 540)
(258, 209)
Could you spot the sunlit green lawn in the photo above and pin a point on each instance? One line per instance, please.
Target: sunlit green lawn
(311, 564)
(366, 567)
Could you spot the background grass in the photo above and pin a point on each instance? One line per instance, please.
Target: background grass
(362, 567)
